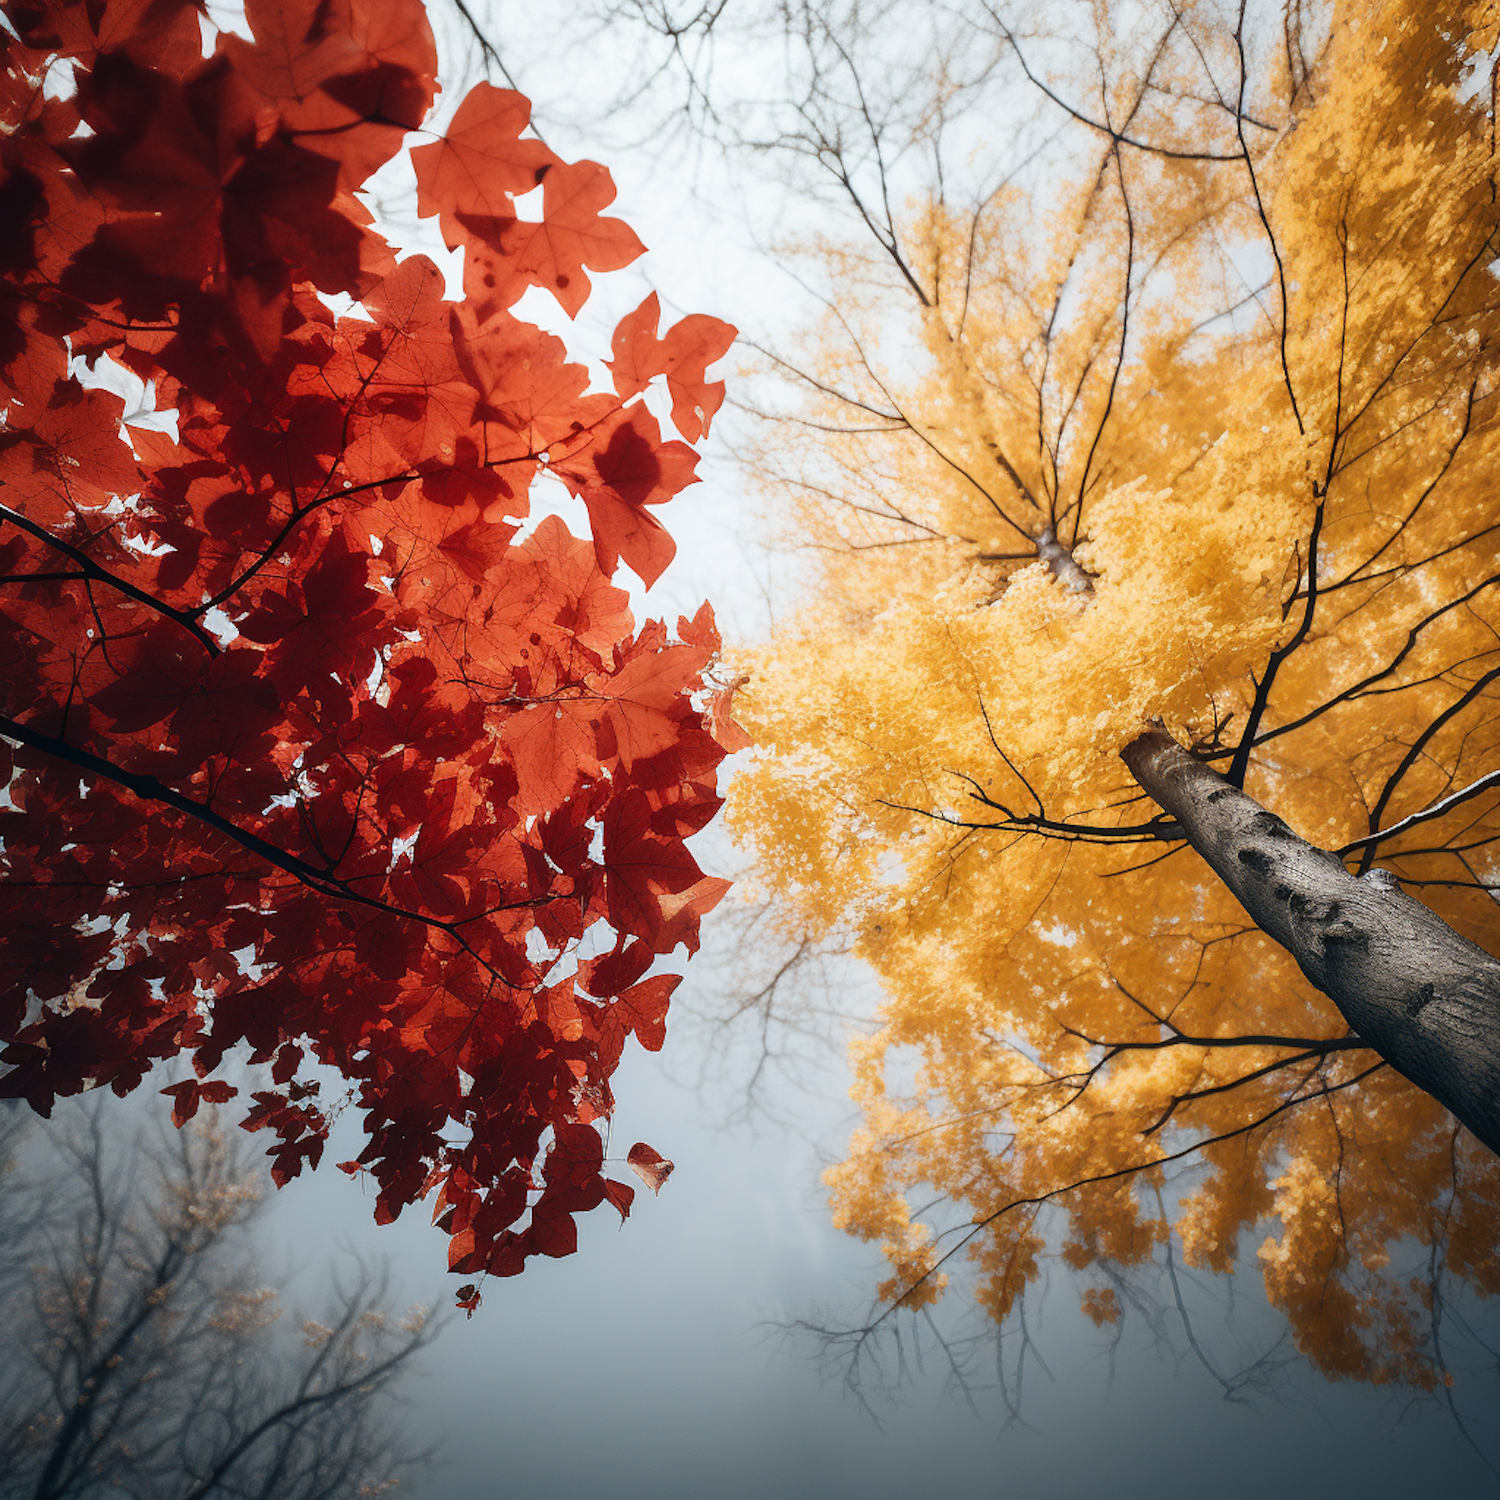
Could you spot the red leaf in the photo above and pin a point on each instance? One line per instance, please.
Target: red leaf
(623, 532)
(683, 911)
(164, 667)
(642, 868)
(553, 745)
(700, 631)
(625, 455)
(318, 630)
(70, 442)
(482, 162)
(572, 234)
(652, 1168)
(720, 722)
(616, 971)
(184, 1098)
(640, 697)
(622, 468)
(187, 1096)
(347, 92)
(478, 549)
(644, 1006)
(682, 356)
(460, 1248)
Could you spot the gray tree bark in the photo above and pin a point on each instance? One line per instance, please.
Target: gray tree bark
(1423, 997)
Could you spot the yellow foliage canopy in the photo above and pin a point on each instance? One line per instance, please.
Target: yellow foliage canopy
(1225, 401)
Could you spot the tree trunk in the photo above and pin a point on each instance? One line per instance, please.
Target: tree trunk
(1424, 998)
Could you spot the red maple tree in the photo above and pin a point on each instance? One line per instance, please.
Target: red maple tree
(309, 749)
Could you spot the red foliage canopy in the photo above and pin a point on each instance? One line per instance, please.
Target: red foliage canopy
(307, 745)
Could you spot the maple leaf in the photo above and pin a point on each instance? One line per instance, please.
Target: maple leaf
(642, 868)
(721, 722)
(478, 548)
(623, 467)
(317, 630)
(185, 205)
(572, 234)
(625, 454)
(640, 697)
(348, 86)
(481, 162)
(642, 1010)
(644, 1007)
(554, 747)
(683, 912)
(73, 440)
(186, 1097)
(589, 607)
(615, 971)
(163, 670)
(682, 356)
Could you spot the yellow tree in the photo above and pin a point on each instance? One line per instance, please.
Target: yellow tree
(1139, 725)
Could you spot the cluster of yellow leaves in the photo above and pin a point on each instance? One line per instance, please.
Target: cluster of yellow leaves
(938, 659)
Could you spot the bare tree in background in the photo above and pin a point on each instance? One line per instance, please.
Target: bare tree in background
(146, 1356)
